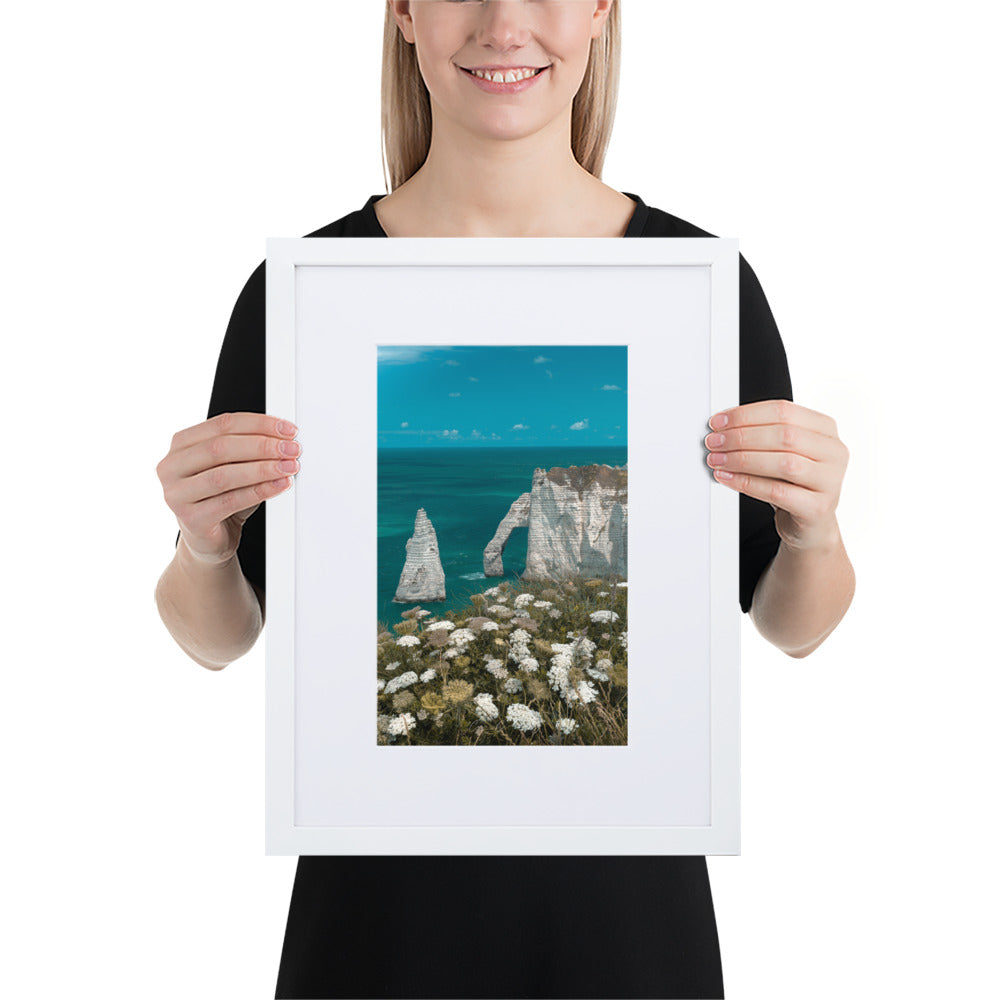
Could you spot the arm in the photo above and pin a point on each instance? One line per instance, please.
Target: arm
(802, 596)
(213, 612)
(790, 457)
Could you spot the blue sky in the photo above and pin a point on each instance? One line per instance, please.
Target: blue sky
(502, 396)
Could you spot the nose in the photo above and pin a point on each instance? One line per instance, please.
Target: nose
(504, 24)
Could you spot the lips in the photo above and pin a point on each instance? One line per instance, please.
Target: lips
(492, 87)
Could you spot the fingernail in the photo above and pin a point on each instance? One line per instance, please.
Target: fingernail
(723, 475)
(715, 440)
(718, 421)
(717, 459)
(284, 427)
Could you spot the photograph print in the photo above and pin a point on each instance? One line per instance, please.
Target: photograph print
(502, 545)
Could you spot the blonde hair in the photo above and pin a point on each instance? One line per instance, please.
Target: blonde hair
(406, 106)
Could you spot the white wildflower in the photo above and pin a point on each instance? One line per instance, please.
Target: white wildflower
(558, 677)
(407, 640)
(566, 726)
(394, 665)
(542, 604)
(603, 593)
(402, 724)
(496, 668)
(523, 600)
(381, 684)
(604, 616)
(596, 673)
(622, 586)
(523, 718)
(489, 626)
(450, 654)
(529, 664)
(421, 613)
(512, 685)
(462, 636)
(491, 592)
(520, 635)
(587, 691)
(555, 613)
(402, 681)
(428, 675)
(623, 639)
(434, 626)
(485, 708)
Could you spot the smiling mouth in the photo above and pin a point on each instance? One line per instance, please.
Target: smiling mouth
(505, 76)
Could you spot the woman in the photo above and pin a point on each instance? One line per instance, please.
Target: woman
(471, 154)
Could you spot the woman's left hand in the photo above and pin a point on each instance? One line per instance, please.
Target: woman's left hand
(787, 456)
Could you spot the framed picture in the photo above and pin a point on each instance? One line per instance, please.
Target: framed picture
(502, 609)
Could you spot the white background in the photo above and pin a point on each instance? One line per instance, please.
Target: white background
(151, 148)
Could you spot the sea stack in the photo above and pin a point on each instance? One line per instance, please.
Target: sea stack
(422, 578)
(577, 521)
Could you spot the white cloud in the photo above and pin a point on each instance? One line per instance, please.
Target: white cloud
(541, 360)
(519, 427)
(405, 423)
(454, 394)
(611, 387)
(580, 425)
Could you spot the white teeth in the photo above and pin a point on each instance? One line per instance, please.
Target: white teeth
(512, 75)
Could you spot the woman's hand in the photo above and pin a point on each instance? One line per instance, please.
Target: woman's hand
(788, 456)
(218, 472)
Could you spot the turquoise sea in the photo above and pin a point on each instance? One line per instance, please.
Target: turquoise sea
(465, 492)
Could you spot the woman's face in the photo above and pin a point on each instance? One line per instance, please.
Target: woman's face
(454, 37)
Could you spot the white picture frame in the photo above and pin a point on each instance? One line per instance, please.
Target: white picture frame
(675, 788)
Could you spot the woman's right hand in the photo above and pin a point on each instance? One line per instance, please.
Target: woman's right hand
(218, 472)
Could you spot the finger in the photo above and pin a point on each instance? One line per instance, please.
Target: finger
(773, 411)
(776, 437)
(783, 465)
(203, 516)
(223, 479)
(796, 500)
(241, 422)
(225, 449)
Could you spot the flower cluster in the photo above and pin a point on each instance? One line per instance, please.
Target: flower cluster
(523, 718)
(402, 681)
(485, 708)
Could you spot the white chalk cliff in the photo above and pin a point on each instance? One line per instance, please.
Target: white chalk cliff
(577, 521)
(422, 578)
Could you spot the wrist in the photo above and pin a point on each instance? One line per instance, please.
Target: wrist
(820, 540)
(195, 563)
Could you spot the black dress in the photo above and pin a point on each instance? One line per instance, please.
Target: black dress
(511, 925)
